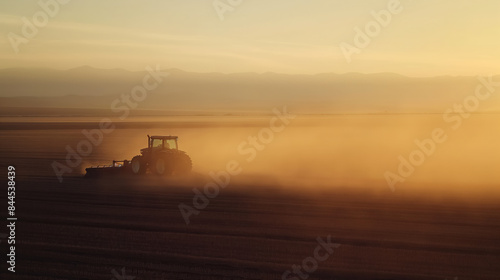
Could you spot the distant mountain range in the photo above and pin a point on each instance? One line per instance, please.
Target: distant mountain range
(87, 87)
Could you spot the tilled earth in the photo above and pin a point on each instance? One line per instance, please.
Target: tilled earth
(119, 228)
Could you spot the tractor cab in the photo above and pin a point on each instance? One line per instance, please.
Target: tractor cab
(162, 142)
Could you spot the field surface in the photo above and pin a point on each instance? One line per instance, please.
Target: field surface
(256, 228)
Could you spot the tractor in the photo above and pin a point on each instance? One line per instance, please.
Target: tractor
(161, 157)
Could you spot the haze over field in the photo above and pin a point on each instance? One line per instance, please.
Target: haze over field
(410, 57)
(328, 93)
(435, 58)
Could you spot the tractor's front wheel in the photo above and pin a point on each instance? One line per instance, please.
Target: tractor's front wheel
(138, 165)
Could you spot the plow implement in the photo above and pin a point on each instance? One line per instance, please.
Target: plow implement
(118, 167)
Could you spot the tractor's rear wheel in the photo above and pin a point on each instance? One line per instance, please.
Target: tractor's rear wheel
(162, 165)
(183, 163)
(138, 165)
(172, 163)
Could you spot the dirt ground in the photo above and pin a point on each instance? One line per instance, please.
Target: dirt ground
(255, 228)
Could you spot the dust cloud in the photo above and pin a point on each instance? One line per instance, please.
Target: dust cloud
(341, 151)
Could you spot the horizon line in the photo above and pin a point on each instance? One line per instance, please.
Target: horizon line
(242, 72)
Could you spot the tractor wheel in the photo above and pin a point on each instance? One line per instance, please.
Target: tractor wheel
(138, 165)
(183, 163)
(162, 166)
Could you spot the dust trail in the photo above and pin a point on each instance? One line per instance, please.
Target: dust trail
(312, 153)
(349, 151)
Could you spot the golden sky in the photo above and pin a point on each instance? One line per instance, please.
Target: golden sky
(425, 38)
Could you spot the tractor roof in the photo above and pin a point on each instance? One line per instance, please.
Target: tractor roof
(164, 137)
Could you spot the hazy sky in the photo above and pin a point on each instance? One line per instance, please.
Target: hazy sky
(428, 37)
